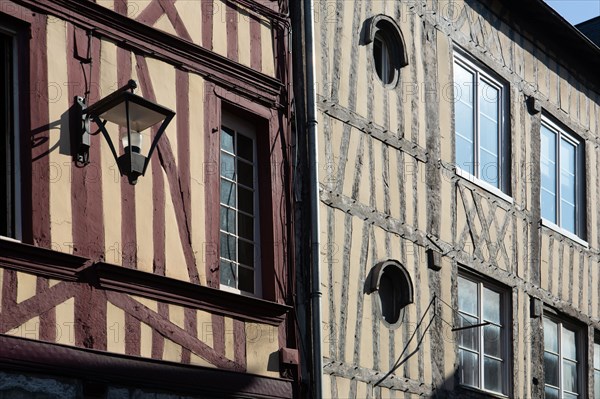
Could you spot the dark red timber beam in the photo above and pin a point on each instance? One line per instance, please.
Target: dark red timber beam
(231, 21)
(255, 43)
(208, 11)
(17, 354)
(86, 191)
(145, 40)
(128, 244)
(168, 163)
(40, 137)
(173, 332)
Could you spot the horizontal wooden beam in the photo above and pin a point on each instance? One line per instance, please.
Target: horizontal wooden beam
(369, 376)
(101, 368)
(165, 289)
(58, 265)
(41, 261)
(367, 126)
(148, 41)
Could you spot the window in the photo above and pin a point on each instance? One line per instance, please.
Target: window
(381, 56)
(597, 368)
(10, 219)
(394, 287)
(562, 178)
(483, 349)
(480, 122)
(562, 368)
(389, 52)
(239, 227)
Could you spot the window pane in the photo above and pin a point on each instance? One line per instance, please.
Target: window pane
(245, 148)
(227, 139)
(245, 173)
(492, 374)
(569, 348)
(227, 192)
(469, 368)
(570, 376)
(378, 55)
(567, 395)
(246, 200)
(246, 227)
(464, 154)
(548, 174)
(469, 337)
(549, 206)
(567, 185)
(567, 216)
(488, 167)
(246, 282)
(228, 247)
(597, 356)
(550, 335)
(467, 296)
(228, 274)
(489, 127)
(227, 166)
(463, 118)
(488, 101)
(551, 393)
(491, 306)
(8, 159)
(492, 344)
(246, 253)
(596, 384)
(227, 220)
(551, 369)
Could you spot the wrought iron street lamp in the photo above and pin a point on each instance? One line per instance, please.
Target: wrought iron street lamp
(135, 114)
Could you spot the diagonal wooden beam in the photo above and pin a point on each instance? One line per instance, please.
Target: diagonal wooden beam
(176, 186)
(471, 216)
(19, 313)
(171, 331)
(169, 9)
(151, 13)
(485, 221)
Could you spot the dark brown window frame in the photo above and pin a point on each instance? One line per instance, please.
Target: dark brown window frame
(272, 190)
(14, 148)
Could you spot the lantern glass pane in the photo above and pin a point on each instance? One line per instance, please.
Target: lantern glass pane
(140, 117)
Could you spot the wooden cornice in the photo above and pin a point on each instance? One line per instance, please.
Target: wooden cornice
(41, 261)
(149, 41)
(106, 369)
(57, 265)
(135, 282)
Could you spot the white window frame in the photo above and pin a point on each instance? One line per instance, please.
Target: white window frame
(16, 234)
(482, 73)
(580, 213)
(596, 366)
(579, 342)
(243, 127)
(504, 333)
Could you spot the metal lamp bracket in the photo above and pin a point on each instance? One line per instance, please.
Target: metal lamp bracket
(83, 150)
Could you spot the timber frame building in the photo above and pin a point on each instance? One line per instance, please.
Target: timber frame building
(180, 286)
(458, 188)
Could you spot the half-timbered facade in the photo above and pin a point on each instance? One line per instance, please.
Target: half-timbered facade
(458, 195)
(179, 284)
